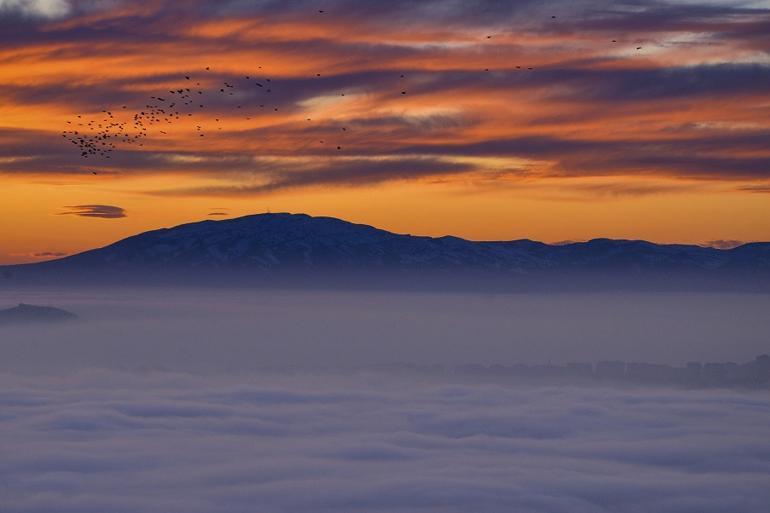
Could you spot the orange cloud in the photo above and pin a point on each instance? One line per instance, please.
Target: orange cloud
(428, 95)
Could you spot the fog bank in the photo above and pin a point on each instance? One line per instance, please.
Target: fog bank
(215, 330)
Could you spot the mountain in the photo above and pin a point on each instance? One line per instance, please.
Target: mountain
(30, 314)
(297, 249)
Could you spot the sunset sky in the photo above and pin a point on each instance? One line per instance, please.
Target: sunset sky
(638, 119)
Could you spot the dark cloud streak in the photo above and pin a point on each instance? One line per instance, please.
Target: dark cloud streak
(96, 211)
(350, 172)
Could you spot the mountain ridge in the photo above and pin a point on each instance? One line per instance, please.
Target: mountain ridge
(260, 245)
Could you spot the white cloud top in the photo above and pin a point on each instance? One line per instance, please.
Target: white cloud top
(37, 8)
(108, 441)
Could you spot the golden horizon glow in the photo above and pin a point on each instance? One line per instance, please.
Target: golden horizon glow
(667, 143)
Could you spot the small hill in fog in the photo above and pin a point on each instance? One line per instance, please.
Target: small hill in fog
(30, 314)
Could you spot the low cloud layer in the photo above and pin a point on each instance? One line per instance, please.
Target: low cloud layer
(199, 425)
(725, 244)
(109, 441)
(195, 330)
(100, 211)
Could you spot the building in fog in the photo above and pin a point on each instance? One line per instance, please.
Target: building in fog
(611, 370)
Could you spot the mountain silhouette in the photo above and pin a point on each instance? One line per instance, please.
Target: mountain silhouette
(292, 249)
(29, 314)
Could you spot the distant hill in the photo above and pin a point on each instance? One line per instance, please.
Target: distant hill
(299, 250)
(29, 314)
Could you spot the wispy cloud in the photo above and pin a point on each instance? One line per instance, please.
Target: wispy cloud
(45, 254)
(352, 171)
(725, 244)
(51, 9)
(758, 188)
(99, 211)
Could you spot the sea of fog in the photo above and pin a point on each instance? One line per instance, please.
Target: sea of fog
(99, 441)
(189, 401)
(216, 330)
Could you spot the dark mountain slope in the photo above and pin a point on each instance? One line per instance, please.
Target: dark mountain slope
(276, 247)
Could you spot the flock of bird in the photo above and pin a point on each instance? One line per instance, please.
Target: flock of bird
(102, 136)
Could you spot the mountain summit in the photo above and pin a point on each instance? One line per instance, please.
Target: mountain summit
(279, 248)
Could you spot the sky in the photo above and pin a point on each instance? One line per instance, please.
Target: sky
(644, 119)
